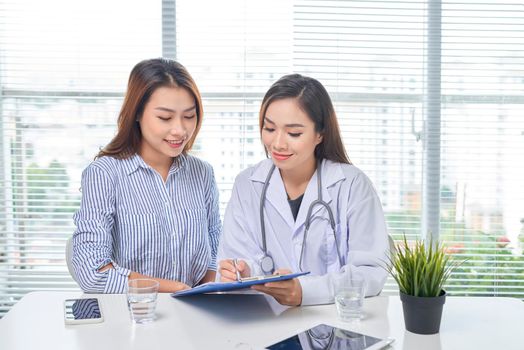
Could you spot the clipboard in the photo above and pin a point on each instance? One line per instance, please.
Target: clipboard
(213, 287)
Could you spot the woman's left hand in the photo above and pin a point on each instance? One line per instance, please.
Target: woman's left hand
(287, 292)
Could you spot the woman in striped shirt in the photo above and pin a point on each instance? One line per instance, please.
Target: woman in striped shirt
(148, 208)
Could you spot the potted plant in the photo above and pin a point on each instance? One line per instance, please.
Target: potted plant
(420, 271)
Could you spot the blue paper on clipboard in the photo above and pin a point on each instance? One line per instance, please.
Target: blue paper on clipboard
(213, 287)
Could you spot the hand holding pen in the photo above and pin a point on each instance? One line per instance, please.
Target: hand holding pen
(235, 264)
(232, 270)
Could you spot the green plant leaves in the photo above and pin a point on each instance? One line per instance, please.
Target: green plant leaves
(420, 270)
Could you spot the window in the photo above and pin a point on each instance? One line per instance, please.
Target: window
(62, 80)
(428, 95)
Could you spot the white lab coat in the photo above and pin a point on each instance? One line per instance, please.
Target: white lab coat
(360, 229)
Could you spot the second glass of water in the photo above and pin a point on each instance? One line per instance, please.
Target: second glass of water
(141, 299)
(349, 298)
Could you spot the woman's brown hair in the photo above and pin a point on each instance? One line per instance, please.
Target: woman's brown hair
(314, 100)
(145, 78)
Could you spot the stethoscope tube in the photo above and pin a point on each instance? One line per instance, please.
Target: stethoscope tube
(266, 263)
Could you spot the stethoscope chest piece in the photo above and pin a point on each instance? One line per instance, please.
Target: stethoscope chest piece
(267, 265)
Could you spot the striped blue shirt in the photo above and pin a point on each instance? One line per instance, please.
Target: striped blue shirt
(133, 219)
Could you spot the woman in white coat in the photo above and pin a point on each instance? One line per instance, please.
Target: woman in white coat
(265, 224)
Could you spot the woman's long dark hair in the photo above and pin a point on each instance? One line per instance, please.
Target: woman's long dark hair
(314, 100)
(145, 78)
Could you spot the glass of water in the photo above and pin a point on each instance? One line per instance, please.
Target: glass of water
(349, 297)
(141, 299)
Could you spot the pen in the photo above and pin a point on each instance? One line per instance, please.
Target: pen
(236, 269)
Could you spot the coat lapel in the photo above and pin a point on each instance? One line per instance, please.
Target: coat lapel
(331, 174)
(276, 196)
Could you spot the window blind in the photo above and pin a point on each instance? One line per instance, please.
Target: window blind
(405, 77)
(413, 75)
(242, 49)
(371, 57)
(63, 70)
(482, 107)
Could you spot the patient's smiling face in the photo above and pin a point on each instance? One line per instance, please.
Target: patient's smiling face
(167, 124)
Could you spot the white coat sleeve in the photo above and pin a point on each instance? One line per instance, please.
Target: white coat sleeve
(367, 244)
(238, 233)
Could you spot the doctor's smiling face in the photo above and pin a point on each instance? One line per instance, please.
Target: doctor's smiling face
(298, 125)
(289, 136)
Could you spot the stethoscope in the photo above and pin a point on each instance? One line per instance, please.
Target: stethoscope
(266, 263)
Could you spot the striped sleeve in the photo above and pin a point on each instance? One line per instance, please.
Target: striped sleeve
(214, 223)
(92, 240)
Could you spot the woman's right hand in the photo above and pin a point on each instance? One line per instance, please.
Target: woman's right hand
(228, 272)
(166, 286)
(178, 286)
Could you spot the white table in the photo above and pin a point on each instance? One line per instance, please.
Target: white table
(250, 322)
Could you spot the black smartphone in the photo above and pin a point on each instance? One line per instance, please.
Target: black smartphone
(82, 311)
